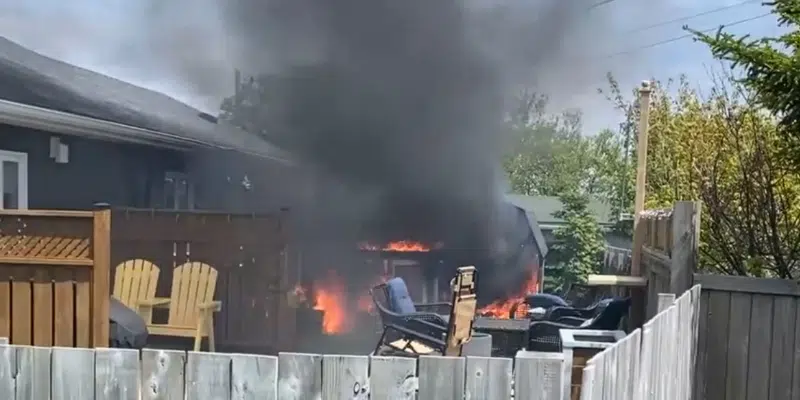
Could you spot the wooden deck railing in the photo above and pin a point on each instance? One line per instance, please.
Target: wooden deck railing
(54, 277)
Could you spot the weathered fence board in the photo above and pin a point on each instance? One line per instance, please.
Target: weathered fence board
(748, 339)
(73, 373)
(393, 378)
(441, 377)
(488, 378)
(299, 376)
(59, 373)
(254, 377)
(655, 362)
(345, 377)
(117, 374)
(539, 376)
(162, 374)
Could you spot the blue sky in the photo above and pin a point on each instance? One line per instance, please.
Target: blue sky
(682, 56)
(94, 34)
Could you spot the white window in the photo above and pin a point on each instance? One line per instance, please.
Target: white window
(13, 180)
(178, 191)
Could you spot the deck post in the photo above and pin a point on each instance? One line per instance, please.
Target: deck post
(101, 271)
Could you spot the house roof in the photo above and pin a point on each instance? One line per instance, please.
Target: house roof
(543, 208)
(535, 229)
(33, 79)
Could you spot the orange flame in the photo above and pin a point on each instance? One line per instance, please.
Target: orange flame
(502, 308)
(330, 298)
(401, 246)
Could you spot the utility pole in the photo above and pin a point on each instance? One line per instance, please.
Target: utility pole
(641, 176)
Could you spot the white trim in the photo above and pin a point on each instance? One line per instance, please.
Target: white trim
(22, 176)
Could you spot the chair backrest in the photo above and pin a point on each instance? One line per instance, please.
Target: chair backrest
(611, 316)
(135, 281)
(399, 299)
(193, 284)
(465, 302)
(544, 300)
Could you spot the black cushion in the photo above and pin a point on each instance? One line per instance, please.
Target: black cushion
(128, 329)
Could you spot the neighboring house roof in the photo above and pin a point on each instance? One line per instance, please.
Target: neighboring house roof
(543, 208)
(42, 83)
(536, 231)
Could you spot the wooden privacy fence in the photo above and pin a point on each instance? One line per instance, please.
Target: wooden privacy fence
(119, 374)
(669, 250)
(249, 251)
(655, 362)
(749, 343)
(54, 274)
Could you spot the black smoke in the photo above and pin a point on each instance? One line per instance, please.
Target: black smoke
(397, 105)
(391, 98)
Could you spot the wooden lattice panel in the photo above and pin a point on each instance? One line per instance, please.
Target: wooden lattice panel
(43, 237)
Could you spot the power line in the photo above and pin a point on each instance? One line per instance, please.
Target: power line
(677, 38)
(600, 3)
(689, 17)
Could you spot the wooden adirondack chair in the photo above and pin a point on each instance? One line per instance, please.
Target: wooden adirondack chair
(191, 305)
(135, 281)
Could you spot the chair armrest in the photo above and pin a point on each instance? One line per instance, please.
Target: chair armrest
(439, 308)
(158, 302)
(571, 321)
(559, 312)
(212, 305)
(429, 317)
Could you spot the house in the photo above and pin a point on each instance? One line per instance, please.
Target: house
(544, 210)
(70, 137)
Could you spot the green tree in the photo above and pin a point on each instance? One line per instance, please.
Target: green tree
(549, 156)
(546, 154)
(771, 67)
(579, 246)
(725, 151)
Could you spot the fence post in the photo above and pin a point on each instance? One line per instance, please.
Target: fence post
(101, 271)
(685, 242)
(665, 300)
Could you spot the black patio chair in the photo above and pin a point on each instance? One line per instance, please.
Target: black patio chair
(407, 331)
(538, 300)
(545, 335)
(575, 316)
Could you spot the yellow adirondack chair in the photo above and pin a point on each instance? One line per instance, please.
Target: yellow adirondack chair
(191, 305)
(135, 281)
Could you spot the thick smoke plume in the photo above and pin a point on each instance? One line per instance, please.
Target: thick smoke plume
(398, 101)
(391, 97)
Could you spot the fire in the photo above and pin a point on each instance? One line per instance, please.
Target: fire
(401, 246)
(502, 308)
(331, 298)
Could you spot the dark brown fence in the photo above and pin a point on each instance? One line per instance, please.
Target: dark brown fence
(249, 251)
(54, 274)
(749, 339)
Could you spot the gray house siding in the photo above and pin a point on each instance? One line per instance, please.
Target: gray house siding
(97, 171)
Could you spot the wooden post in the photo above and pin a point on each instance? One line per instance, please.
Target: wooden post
(638, 307)
(101, 275)
(641, 177)
(685, 245)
